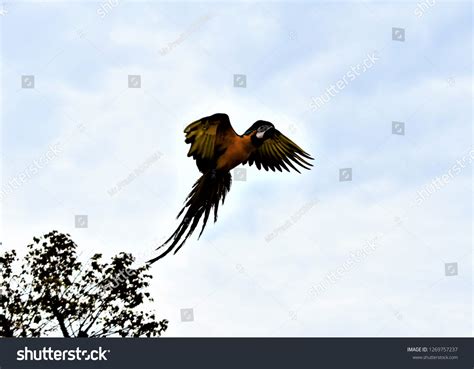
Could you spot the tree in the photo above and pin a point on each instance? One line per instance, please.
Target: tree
(53, 292)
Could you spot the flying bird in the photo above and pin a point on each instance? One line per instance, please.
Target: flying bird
(217, 149)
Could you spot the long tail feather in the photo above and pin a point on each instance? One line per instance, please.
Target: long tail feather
(210, 189)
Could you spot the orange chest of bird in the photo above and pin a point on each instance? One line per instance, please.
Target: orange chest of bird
(237, 151)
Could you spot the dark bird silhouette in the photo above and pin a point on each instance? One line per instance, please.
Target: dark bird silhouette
(217, 149)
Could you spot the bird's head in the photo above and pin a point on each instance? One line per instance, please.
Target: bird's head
(261, 130)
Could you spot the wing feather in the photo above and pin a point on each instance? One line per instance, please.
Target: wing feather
(205, 136)
(278, 152)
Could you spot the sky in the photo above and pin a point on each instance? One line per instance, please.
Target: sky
(375, 240)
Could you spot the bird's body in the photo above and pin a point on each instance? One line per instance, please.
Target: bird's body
(238, 151)
(217, 149)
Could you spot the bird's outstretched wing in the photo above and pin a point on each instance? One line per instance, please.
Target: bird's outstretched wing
(206, 137)
(278, 152)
